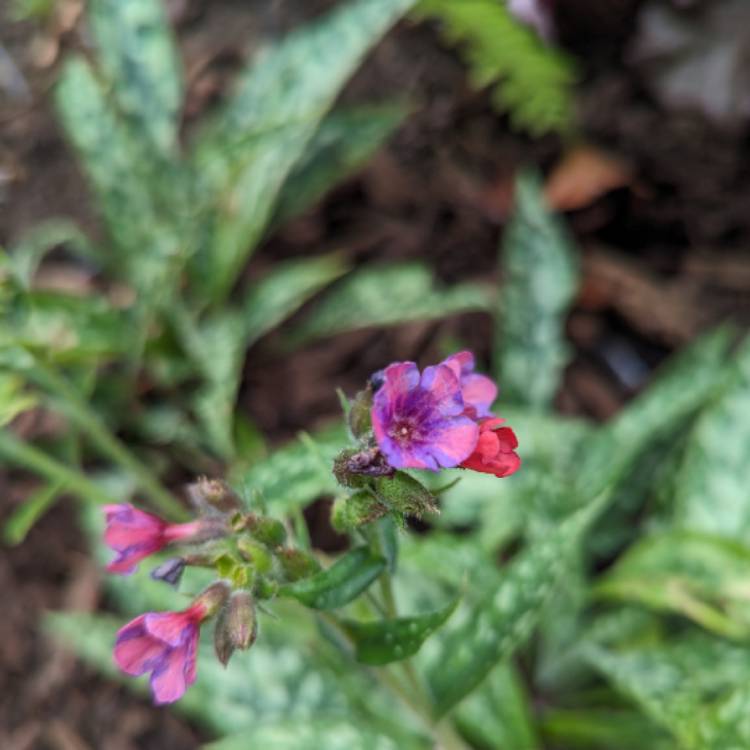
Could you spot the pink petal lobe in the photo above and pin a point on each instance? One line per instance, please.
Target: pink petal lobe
(400, 378)
(169, 627)
(461, 363)
(454, 442)
(168, 682)
(444, 388)
(135, 651)
(479, 391)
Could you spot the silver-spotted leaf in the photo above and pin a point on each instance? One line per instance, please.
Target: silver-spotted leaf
(385, 641)
(344, 581)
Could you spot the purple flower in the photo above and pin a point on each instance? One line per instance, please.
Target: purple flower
(478, 391)
(420, 422)
(165, 643)
(135, 534)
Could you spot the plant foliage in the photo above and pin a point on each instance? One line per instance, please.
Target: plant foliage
(531, 81)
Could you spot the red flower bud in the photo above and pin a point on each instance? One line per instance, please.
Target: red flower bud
(495, 450)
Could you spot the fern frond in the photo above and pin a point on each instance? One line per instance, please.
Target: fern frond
(532, 81)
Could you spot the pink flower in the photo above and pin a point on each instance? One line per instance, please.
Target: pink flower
(478, 391)
(165, 643)
(495, 450)
(135, 534)
(419, 420)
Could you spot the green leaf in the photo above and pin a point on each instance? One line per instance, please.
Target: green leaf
(14, 399)
(675, 682)
(594, 729)
(295, 475)
(712, 486)
(139, 57)
(682, 386)
(540, 270)
(263, 132)
(345, 141)
(699, 576)
(331, 734)
(447, 562)
(725, 724)
(219, 347)
(345, 580)
(121, 174)
(69, 328)
(505, 614)
(380, 295)
(30, 511)
(497, 715)
(533, 81)
(25, 257)
(386, 641)
(286, 288)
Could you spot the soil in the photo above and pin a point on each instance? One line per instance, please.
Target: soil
(662, 248)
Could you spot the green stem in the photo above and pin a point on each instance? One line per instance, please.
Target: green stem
(23, 454)
(442, 732)
(69, 401)
(415, 695)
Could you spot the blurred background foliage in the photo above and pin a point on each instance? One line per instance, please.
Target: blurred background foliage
(598, 599)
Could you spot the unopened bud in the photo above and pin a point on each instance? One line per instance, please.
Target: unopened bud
(236, 627)
(170, 571)
(255, 553)
(212, 598)
(405, 494)
(207, 494)
(361, 508)
(297, 564)
(352, 467)
(268, 531)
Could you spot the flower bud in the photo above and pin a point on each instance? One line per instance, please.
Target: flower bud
(208, 494)
(405, 494)
(210, 601)
(297, 564)
(361, 508)
(352, 468)
(268, 531)
(170, 571)
(237, 626)
(255, 553)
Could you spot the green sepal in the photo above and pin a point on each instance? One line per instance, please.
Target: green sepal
(359, 509)
(405, 494)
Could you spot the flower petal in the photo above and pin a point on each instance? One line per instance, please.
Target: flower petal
(128, 526)
(443, 385)
(479, 392)
(399, 456)
(136, 652)
(453, 441)
(462, 363)
(168, 681)
(400, 378)
(171, 628)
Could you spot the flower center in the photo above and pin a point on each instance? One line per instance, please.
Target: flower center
(403, 431)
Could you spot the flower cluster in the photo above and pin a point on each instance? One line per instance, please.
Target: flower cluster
(246, 551)
(441, 418)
